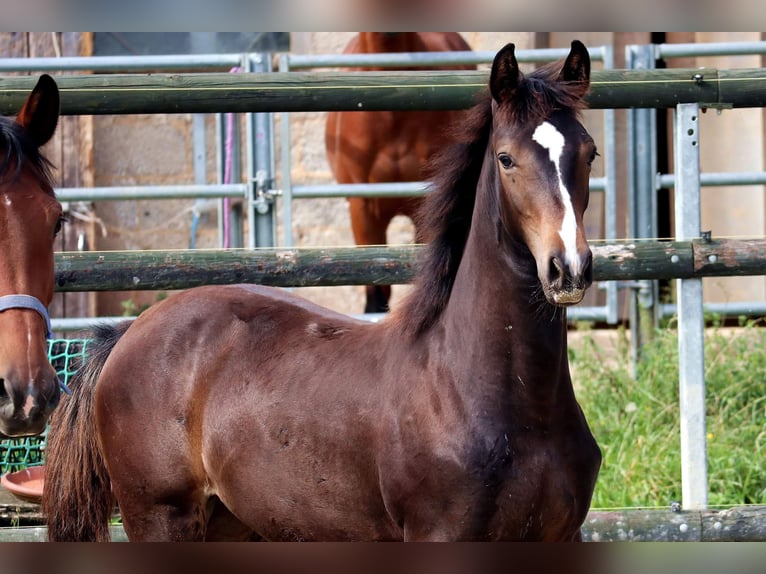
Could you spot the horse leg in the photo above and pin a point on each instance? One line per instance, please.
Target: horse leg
(182, 518)
(164, 520)
(223, 526)
(376, 298)
(161, 498)
(369, 222)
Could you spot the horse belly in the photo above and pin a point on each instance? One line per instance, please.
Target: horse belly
(302, 497)
(294, 460)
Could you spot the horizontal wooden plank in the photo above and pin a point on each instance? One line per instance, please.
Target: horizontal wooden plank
(40, 534)
(16, 511)
(718, 258)
(387, 90)
(157, 270)
(643, 260)
(182, 269)
(739, 524)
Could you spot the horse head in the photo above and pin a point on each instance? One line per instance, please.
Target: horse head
(30, 218)
(542, 158)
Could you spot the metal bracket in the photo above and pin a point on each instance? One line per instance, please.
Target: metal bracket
(264, 194)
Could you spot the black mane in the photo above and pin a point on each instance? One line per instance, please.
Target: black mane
(16, 148)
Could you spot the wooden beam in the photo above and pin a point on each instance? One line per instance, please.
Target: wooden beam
(182, 269)
(739, 524)
(326, 91)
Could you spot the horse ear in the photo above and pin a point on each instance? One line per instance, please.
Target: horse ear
(40, 113)
(505, 75)
(577, 67)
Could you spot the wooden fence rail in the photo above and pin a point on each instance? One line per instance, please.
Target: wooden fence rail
(328, 91)
(182, 269)
(738, 524)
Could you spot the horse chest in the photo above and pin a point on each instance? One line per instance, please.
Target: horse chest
(510, 486)
(546, 485)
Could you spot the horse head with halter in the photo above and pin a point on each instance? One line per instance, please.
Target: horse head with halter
(30, 218)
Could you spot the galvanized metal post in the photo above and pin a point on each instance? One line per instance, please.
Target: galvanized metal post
(642, 197)
(691, 361)
(261, 168)
(610, 191)
(199, 154)
(287, 181)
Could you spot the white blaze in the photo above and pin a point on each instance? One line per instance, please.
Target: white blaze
(553, 140)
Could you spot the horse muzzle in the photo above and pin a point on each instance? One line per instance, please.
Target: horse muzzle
(565, 285)
(26, 408)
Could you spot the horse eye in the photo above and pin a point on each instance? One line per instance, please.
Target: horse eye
(593, 156)
(59, 223)
(505, 160)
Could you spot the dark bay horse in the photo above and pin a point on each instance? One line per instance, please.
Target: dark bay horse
(30, 218)
(246, 412)
(387, 146)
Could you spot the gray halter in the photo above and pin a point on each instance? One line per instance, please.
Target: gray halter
(27, 302)
(30, 302)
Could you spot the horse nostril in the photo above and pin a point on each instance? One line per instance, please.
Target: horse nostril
(556, 273)
(3, 390)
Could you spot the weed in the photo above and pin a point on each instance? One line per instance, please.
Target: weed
(636, 420)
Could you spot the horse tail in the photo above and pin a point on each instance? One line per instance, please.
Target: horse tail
(77, 500)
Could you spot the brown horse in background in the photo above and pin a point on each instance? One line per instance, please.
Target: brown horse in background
(30, 218)
(247, 412)
(387, 146)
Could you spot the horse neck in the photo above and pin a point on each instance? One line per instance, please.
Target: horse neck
(496, 314)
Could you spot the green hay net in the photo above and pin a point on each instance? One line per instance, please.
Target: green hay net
(16, 454)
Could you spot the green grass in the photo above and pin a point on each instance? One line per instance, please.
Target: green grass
(636, 421)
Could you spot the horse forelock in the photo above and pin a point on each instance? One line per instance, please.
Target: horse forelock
(539, 95)
(18, 149)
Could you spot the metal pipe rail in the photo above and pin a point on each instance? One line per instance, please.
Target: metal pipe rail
(295, 61)
(577, 313)
(428, 59)
(717, 179)
(708, 49)
(121, 63)
(392, 189)
(128, 192)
